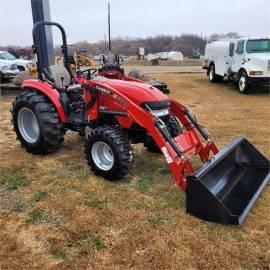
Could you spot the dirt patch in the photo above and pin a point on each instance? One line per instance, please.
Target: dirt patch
(58, 215)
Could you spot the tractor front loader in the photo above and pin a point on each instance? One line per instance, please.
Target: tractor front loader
(119, 113)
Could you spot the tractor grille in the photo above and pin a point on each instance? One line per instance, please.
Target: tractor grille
(157, 105)
(161, 108)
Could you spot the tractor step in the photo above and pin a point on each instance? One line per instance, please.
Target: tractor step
(225, 188)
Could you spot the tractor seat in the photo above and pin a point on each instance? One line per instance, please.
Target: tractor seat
(62, 78)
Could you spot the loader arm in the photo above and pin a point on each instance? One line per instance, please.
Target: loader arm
(176, 151)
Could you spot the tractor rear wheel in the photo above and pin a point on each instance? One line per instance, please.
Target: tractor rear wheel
(37, 123)
(174, 130)
(108, 152)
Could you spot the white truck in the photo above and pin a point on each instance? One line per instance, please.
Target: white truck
(244, 61)
(7, 71)
(8, 58)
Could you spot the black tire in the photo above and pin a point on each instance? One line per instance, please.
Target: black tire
(21, 68)
(242, 83)
(174, 130)
(80, 63)
(1, 77)
(173, 126)
(87, 63)
(119, 145)
(51, 130)
(212, 76)
(151, 145)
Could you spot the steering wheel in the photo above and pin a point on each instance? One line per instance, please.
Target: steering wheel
(120, 60)
(87, 73)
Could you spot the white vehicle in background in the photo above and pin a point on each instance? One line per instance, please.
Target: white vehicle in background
(244, 61)
(8, 58)
(7, 71)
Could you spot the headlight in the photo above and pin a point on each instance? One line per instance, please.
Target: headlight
(159, 113)
(256, 73)
(13, 67)
(5, 67)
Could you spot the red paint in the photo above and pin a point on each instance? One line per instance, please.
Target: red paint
(49, 92)
(127, 96)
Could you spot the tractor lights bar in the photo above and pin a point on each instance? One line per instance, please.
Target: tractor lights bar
(160, 113)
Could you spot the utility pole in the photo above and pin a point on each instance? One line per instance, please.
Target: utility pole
(109, 26)
(201, 43)
(105, 43)
(41, 12)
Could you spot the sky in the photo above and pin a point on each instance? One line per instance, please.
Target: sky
(87, 19)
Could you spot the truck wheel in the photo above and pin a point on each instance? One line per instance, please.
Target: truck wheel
(21, 68)
(213, 77)
(174, 130)
(87, 63)
(108, 152)
(242, 83)
(37, 123)
(1, 77)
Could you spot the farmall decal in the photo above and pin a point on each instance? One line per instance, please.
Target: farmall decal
(120, 99)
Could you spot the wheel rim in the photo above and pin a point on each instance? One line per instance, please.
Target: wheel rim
(242, 83)
(28, 125)
(102, 155)
(211, 74)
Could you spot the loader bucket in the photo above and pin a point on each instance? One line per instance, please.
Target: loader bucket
(225, 188)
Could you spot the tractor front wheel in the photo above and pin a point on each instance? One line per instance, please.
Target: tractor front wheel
(37, 123)
(108, 152)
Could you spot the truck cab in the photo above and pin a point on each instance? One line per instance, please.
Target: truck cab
(245, 61)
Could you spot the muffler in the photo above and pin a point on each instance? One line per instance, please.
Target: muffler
(225, 188)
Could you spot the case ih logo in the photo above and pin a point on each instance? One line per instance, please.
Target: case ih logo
(108, 92)
(103, 90)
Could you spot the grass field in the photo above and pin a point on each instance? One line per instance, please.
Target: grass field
(55, 214)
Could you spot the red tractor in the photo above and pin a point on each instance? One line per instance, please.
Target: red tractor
(119, 113)
(111, 68)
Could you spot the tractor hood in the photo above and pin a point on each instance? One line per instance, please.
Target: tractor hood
(137, 92)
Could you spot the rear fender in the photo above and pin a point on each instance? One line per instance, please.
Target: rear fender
(48, 91)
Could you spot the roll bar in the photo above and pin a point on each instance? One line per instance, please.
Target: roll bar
(37, 47)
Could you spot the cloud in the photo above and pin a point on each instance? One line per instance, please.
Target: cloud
(87, 19)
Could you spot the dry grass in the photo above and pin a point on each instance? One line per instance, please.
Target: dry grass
(55, 214)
